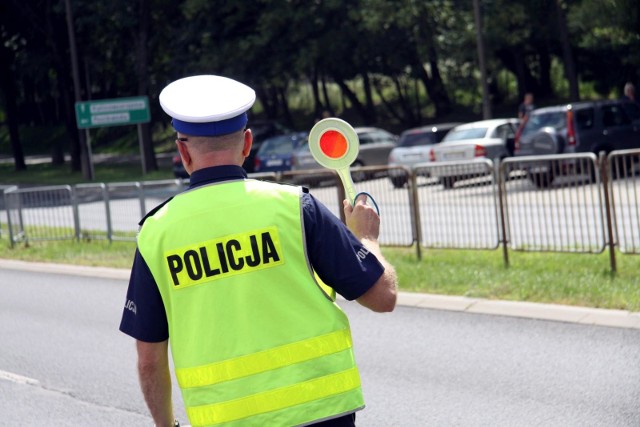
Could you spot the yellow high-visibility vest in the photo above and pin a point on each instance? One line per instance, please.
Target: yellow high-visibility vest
(255, 340)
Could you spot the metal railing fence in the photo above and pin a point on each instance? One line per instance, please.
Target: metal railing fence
(447, 219)
(624, 189)
(48, 211)
(563, 203)
(566, 216)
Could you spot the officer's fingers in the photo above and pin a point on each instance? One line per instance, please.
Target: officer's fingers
(346, 206)
(361, 199)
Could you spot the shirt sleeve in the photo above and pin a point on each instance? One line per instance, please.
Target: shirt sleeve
(335, 253)
(144, 317)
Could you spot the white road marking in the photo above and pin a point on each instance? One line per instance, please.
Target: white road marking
(18, 379)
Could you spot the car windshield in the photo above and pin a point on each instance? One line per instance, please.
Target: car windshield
(414, 139)
(279, 145)
(556, 119)
(469, 133)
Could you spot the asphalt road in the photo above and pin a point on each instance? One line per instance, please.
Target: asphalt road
(64, 363)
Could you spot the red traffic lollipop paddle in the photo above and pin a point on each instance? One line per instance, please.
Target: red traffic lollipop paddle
(334, 144)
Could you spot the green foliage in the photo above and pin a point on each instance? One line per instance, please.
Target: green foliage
(395, 63)
(582, 280)
(572, 279)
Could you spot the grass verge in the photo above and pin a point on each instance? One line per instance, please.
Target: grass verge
(573, 279)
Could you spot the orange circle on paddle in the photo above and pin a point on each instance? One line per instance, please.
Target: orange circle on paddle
(333, 144)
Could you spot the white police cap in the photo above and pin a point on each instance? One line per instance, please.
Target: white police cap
(207, 105)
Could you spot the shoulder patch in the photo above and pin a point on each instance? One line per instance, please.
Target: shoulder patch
(153, 211)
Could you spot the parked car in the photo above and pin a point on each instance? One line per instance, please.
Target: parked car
(260, 129)
(414, 147)
(275, 153)
(577, 128)
(375, 146)
(485, 139)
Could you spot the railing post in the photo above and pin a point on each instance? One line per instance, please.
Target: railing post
(107, 211)
(499, 170)
(76, 212)
(603, 161)
(415, 209)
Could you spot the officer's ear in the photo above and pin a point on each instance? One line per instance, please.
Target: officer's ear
(248, 141)
(183, 149)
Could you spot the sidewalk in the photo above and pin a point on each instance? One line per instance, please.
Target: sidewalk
(529, 310)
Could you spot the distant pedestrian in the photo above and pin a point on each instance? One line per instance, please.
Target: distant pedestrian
(526, 107)
(629, 92)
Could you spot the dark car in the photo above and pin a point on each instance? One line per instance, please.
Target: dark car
(578, 128)
(275, 153)
(261, 130)
(414, 147)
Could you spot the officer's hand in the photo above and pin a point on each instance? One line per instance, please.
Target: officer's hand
(362, 219)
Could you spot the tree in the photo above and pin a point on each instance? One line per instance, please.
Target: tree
(8, 87)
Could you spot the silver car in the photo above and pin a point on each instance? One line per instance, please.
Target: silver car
(414, 147)
(486, 139)
(375, 146)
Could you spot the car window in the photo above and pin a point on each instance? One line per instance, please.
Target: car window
(382, 136)
(503, 132)
(584, 118)
(441, 133)
(277, 145)
(613, 115)
(555, 119)
(470, 133)
(414, 139)
(365, 138)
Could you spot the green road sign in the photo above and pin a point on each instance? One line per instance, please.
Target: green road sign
(112, 112)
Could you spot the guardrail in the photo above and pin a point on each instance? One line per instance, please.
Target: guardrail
(563, 203)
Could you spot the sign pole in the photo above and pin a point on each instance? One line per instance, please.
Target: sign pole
(91, 171)
(142, 155)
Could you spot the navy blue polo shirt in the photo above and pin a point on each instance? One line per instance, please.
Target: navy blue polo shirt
(333, 251)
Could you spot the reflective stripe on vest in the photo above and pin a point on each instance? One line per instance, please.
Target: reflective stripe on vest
(274, 400)
(255, 341)
(264, 360)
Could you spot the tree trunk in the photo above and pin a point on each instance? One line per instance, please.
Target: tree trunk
(282, 98)
(411, 117)
(317, 104)
(392, 111)
(353, 99)
(567, 54)
(546, 89)
(327, 101)
(146, 140)
(7, 84)
(369, 98)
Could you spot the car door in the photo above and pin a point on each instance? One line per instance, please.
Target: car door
(375, 148)
(618, 130)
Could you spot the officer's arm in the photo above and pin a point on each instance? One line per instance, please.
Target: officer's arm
(155, 380)
(381, 297)
(364, 222)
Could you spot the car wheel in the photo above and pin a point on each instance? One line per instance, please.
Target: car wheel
(398, 181)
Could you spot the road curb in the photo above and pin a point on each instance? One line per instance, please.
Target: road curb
(529, 310)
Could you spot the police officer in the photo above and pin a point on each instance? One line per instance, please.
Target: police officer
(230, 273)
